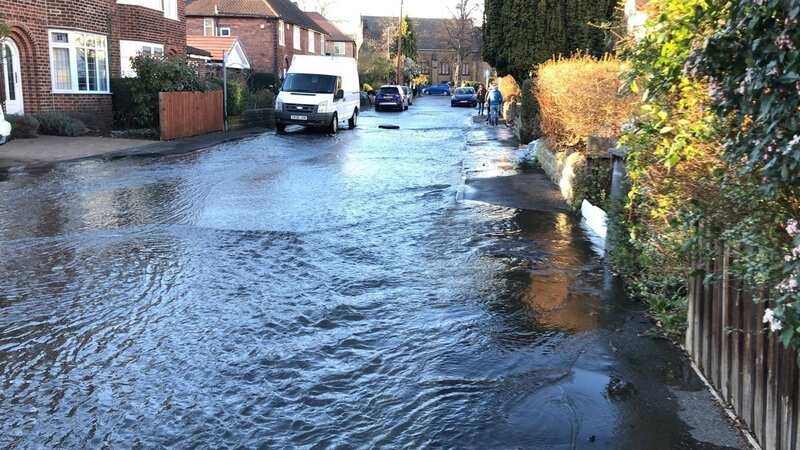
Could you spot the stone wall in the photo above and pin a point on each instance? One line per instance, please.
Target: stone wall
(569, 169)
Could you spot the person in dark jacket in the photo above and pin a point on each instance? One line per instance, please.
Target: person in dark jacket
(481, 99)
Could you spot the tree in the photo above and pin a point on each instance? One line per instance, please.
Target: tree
(408, 40)
(461, 33)
(374, 64)
(520, 34)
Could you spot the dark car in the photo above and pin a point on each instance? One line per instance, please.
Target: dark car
(438, 89)
(391, 97)
(464, 96)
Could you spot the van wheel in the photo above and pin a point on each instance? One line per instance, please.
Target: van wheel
(353, 122)
(333, 128)
(280, 128)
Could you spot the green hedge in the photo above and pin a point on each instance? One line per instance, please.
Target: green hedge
(60, 124)
(23, 126)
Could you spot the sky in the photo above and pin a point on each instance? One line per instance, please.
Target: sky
(344, 9)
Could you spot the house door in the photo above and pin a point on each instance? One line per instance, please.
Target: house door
(12, 77)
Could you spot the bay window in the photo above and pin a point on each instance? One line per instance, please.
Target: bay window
(78, 62)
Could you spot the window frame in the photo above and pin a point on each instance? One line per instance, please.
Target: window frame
(337, 45)
(281, 33)
(297, 38)
(464, 69)
(311, 41)
(72, 48)
(172, 13)
(444, 68)
(221, 29)
(322, 44)
(140, 45)
(213, 27)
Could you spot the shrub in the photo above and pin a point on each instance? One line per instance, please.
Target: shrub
(123, 104)
(579, 97)
(264, 98)
(529, 114)
(60, 124)
(23, 126)
(237, 98)
(508, 87)
(263, 80)
(154, 75)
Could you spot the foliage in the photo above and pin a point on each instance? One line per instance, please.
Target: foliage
(508, 87)
(237, 97)
(579, 97)
(529, 114)
(154, 75)
(374, 67)
(262, 80)
(520, 34)
(674, 165)
(60, 124)
(5, 30)
(408, 40)
(753, 63)
(261, 99)
(23, 126)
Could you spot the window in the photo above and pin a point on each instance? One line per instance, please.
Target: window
(131, 49)
(311, 42)
(464, 69)
(78, 62)
(281, 33)
(444, 69)
(171, 9)
(321, 44)
(209, 29)
(296, 39)
(339, 49)
(225, 31)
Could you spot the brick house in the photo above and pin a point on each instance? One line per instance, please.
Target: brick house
(338, 43)
(435, 55)
(62, 54)
(270, 31)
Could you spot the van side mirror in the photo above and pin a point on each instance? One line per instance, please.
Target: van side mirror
(339, 94)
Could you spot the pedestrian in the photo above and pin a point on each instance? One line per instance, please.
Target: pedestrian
(495, 100)
(481, 100)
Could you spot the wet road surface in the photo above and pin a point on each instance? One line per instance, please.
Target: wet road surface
(378, 289)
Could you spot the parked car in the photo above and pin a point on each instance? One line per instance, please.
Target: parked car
(464, 96)
(409, 93)
(391, 96)
(319, 91)
(5, 128)
(437, 89)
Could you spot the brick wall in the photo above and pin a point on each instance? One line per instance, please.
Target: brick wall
(30, 21)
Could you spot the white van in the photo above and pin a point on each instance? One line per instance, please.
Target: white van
(5, 128)
(319, 91)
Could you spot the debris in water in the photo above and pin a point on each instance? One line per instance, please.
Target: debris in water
(389, 127)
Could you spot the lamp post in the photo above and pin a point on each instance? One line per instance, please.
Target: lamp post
(399, 73)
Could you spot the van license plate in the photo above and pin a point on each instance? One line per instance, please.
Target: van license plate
(299, 117)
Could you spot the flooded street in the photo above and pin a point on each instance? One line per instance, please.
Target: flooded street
(405, 288)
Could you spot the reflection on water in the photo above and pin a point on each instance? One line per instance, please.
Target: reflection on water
(261, 296)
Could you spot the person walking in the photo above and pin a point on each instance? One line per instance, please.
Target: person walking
(495, 100)
(481, 100)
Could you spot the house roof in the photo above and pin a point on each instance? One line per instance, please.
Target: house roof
(431, 33)
(281, 9)
(215, 46)
(335, 34)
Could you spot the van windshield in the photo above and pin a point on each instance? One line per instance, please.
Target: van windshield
(311, 83)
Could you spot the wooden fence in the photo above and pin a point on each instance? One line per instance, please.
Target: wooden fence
(183, 114)
(741, 357)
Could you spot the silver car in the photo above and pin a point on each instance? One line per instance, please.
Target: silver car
(409, 94)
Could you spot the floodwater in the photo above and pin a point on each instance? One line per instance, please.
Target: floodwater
(378, 289)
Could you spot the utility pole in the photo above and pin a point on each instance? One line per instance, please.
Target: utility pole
(399, 74)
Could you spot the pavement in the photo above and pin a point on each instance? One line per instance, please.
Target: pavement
(45, 151)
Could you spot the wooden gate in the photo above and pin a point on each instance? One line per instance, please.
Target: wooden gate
(183, 114)
(741, 357)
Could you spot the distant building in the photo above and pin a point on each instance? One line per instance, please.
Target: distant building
(435, 54)
(338, 43)
(270, 32)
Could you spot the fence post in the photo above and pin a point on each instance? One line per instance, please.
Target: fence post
(617, 194)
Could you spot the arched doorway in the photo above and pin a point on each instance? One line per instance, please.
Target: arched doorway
(12, 77)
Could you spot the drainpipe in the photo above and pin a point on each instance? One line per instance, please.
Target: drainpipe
(225, 89)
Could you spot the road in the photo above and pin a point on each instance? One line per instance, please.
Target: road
(405, 288)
